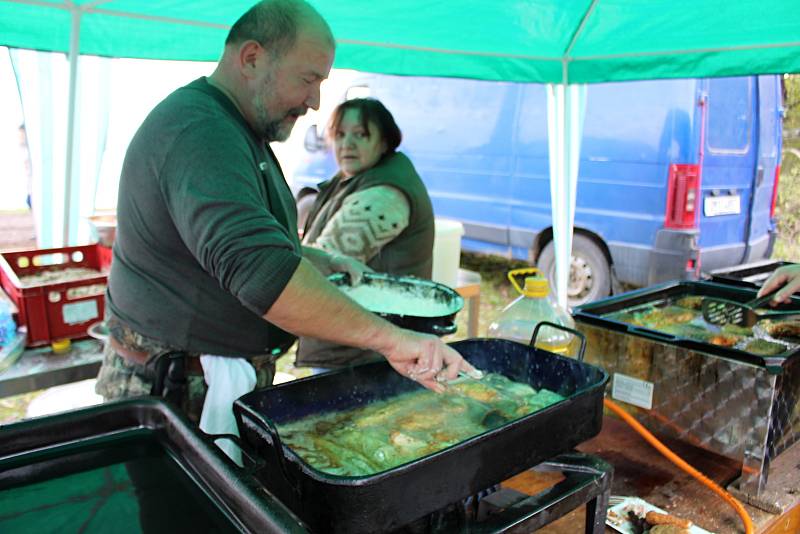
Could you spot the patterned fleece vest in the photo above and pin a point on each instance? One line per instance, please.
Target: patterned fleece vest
(411, 252)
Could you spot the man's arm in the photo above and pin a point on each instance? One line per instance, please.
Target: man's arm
(311, 306)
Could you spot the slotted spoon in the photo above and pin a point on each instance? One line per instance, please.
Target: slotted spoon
(723, 311)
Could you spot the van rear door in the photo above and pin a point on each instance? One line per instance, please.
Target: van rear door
(728, 169)
(762, 228)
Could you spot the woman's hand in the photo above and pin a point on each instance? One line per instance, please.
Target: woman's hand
(339, 263)
(787, 278)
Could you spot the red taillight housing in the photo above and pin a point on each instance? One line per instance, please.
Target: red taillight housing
(775, 191)
(682, 196)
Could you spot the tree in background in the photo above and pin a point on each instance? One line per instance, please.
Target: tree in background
(787, 209)
(791, 101)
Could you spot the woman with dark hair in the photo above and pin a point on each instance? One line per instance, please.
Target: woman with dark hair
(375, 209)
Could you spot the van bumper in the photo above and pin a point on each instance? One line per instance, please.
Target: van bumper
(675, 256)
(730, 256)
(773, 234)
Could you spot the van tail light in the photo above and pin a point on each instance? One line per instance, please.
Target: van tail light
(682, 196)
(774, 192)
(693, 267)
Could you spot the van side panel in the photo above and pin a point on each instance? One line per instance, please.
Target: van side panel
(632, 132)
(763, 228)
(458, 133)
(728, 163)
(530, 181)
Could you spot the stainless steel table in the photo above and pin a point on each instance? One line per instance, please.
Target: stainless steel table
(40, 368)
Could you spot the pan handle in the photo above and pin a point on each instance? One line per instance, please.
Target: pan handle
(263, 424)
(581, 351)
(255, 463)
(446, 329)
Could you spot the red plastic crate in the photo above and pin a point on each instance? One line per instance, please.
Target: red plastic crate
(53, 311)
(104, 255)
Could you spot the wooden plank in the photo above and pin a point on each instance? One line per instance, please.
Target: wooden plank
(787, 523)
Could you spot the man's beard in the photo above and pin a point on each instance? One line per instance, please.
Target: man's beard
(268, 128)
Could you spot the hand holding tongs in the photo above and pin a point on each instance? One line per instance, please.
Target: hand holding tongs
(722, 311)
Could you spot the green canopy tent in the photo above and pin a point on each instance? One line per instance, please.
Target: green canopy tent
(565, 43)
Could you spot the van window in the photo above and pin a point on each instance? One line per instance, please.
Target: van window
(730, 110)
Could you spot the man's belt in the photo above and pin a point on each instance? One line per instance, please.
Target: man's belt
(140, 358)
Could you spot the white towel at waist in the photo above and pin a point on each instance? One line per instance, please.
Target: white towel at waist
(227, 379)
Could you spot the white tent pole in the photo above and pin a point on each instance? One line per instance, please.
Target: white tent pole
(555, 136)
(74, 48)
(565, 113)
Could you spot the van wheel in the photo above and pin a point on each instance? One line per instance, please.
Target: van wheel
(304, 204)
(589, 272)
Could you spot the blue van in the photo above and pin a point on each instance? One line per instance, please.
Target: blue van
(675, 175)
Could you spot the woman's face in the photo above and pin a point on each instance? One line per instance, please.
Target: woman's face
(356, 149)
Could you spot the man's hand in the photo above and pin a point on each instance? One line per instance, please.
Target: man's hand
(424, 358)
(787, 278)
(339, 263)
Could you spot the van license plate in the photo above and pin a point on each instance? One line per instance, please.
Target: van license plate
(724, 205)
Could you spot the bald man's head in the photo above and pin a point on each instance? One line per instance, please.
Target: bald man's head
(276, 57)
(276, 24)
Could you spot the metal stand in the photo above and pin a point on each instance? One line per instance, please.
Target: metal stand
(587, 480)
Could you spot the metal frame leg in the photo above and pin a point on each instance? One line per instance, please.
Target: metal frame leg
(587, 480)
(596, 510)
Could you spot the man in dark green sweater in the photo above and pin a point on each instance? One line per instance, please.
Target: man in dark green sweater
(207, 258)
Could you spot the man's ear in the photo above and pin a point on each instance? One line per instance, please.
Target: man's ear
(250, 53)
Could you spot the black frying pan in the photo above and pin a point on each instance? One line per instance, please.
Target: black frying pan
(440, 324)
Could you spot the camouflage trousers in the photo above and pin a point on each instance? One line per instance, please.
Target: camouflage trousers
(119, 379)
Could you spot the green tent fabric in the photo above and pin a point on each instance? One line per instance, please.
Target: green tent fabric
(546, 41)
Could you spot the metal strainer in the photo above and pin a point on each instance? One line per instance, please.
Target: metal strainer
(722, 311)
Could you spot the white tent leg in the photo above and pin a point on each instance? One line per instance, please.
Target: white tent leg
(565, 112)
(74, 49)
